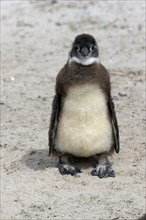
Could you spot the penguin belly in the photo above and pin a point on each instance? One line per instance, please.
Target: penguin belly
(84, 128)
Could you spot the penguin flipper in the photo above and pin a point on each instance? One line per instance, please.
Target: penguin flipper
(115, 127)
(53, 121)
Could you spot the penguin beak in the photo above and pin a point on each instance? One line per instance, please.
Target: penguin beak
(84, 52)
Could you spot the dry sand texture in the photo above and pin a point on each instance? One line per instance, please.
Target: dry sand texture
(36, 38)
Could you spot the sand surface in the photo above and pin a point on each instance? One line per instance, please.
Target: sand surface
(36, 39)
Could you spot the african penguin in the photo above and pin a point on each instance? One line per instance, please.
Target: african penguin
(83, 121)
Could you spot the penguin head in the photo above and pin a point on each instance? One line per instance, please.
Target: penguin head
(84, 50)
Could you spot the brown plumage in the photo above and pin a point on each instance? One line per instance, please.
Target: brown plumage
(77, 74)
(71, 75)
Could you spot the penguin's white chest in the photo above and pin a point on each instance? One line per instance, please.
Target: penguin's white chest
(84, 128)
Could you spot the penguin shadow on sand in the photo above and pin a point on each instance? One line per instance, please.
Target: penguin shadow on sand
(40, 160)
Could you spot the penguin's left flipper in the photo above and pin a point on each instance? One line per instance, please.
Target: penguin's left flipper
(56, 105)
(115, 128)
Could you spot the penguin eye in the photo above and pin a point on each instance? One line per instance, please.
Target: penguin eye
(76, 47)
(92, 48)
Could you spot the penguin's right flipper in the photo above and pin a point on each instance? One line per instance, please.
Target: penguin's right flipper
(54, 121)
(115, 127)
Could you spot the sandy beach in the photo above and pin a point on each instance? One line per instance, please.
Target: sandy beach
(36, 37)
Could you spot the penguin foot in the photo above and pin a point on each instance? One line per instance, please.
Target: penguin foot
(66, 169)
(103, 171)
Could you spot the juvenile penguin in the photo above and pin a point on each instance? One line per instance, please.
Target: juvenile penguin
(83, 121)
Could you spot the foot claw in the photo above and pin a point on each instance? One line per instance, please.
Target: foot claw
(103, 171)
(66, 169)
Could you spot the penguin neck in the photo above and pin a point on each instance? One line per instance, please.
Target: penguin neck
(86, 61)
